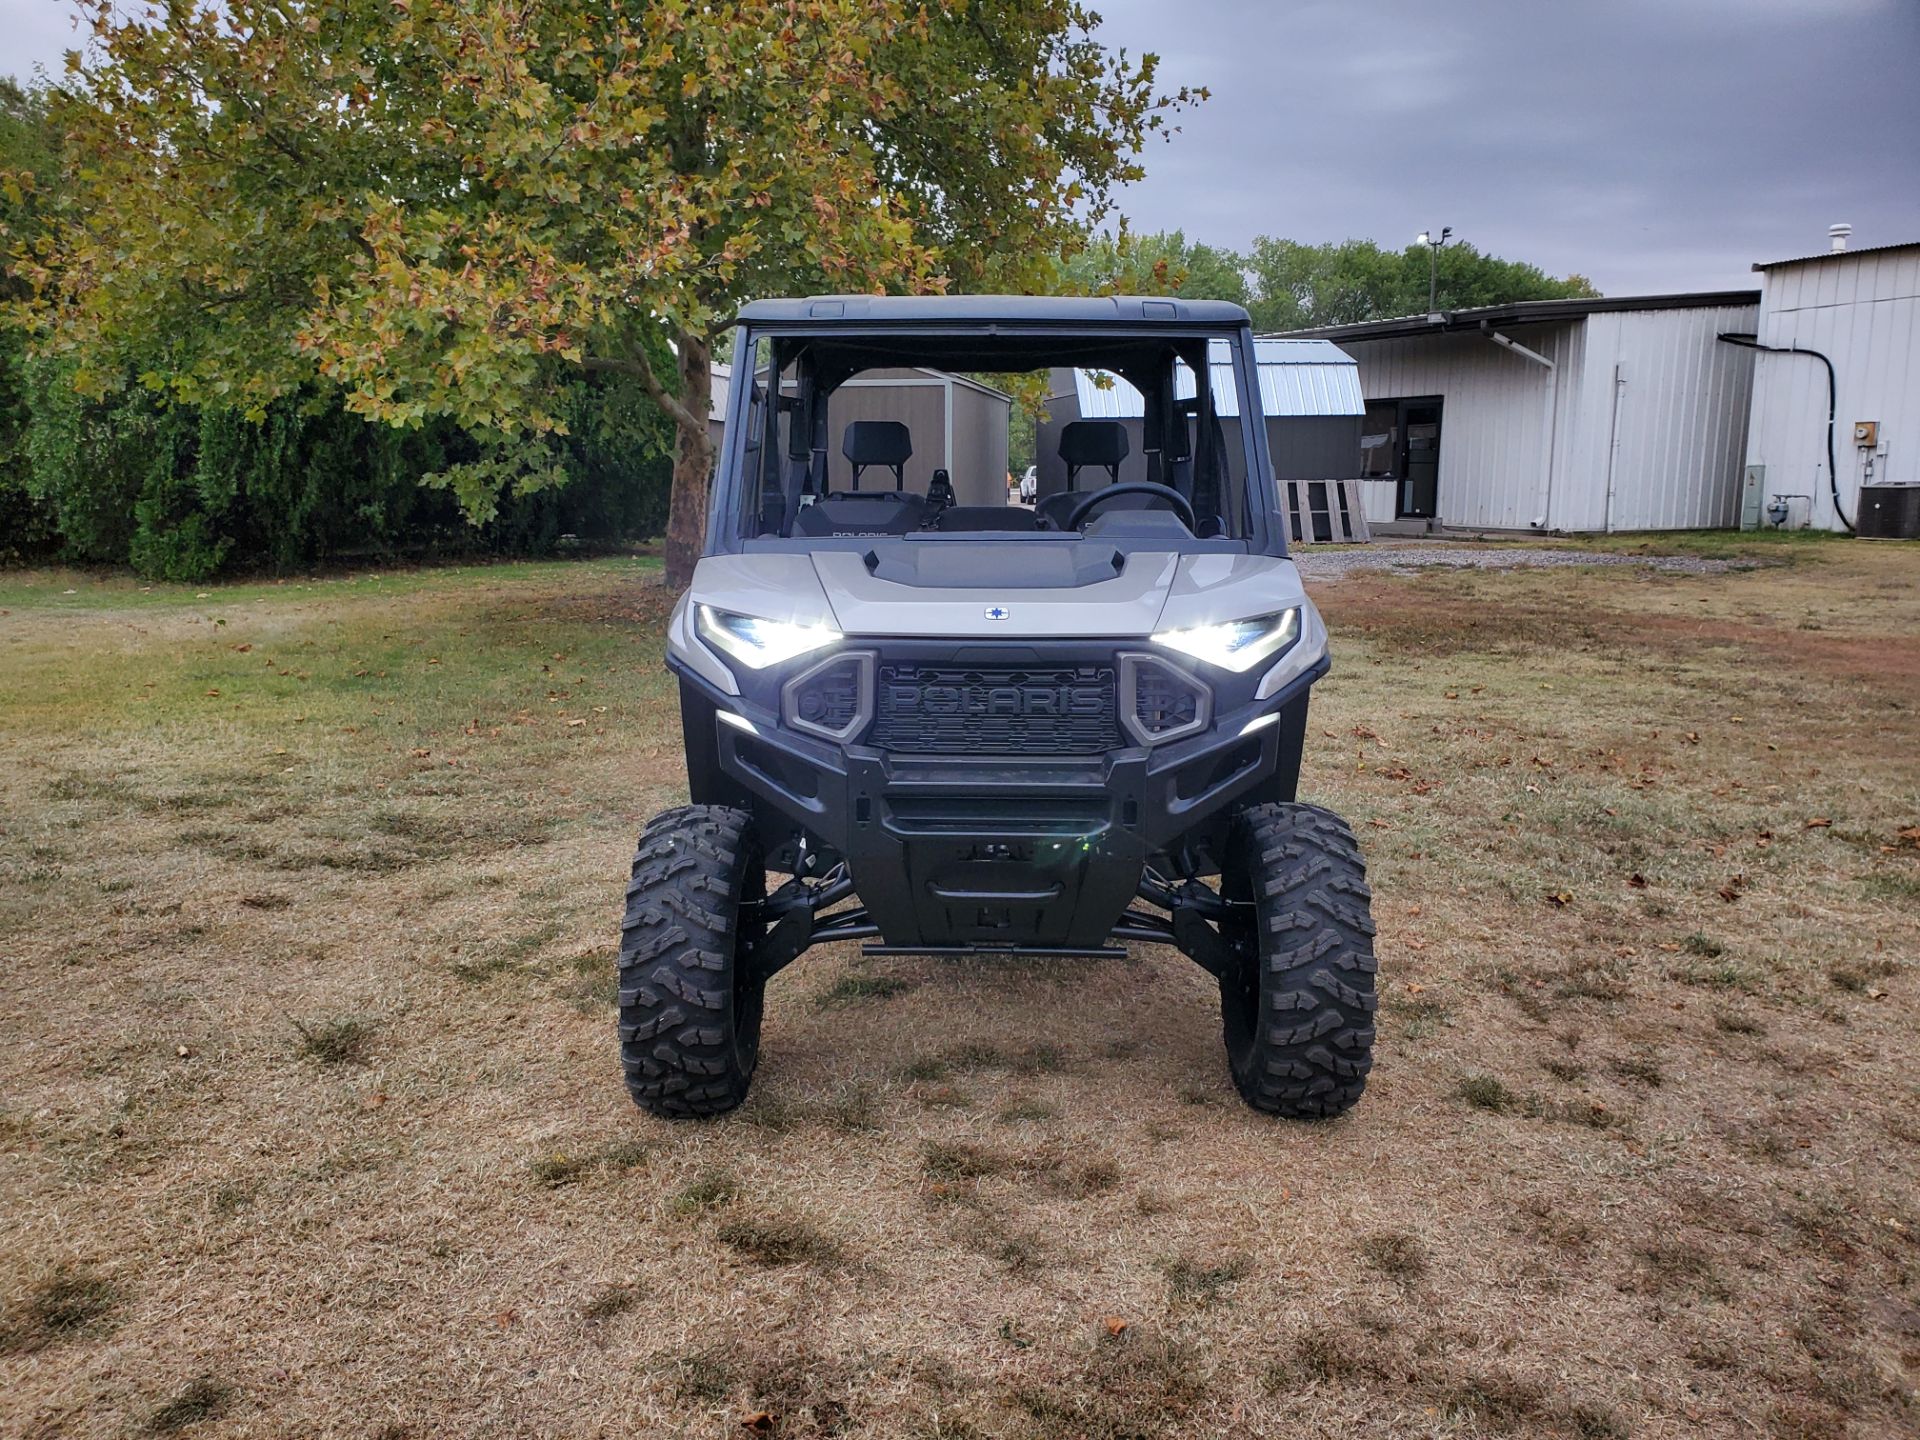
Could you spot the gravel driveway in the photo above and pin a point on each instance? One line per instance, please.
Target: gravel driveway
(1403, 558)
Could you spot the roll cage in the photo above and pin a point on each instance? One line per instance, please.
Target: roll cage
(773, 457)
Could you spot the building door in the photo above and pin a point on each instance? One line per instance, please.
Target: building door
(1400, 441)
(1419, 497)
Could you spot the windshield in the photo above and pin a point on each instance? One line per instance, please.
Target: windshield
(842, 435)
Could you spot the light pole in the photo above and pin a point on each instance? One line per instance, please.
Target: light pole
(1425, 238)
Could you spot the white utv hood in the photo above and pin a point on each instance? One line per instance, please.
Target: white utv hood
(1154, 592)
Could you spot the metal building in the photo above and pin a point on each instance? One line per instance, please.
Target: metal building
(1860, 311)
(958, 425)
(1570, 415)
(1309, 393)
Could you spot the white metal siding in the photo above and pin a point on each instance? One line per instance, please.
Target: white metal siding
(1648, 420)
(1494, 421)
(1862, 312)
(1662, 423)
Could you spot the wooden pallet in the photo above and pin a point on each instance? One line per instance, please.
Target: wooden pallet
(1324, 512)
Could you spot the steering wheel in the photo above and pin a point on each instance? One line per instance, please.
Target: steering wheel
(1169, 497)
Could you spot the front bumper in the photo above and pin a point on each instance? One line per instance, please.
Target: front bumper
(999, 852)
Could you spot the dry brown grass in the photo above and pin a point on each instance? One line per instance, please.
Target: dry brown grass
(1640, 1157)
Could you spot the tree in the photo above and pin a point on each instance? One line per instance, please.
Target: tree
(442, 206)
(1163, 262)
(1300, 286)
(29, 160)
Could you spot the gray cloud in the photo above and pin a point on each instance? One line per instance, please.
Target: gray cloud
(1648, 144)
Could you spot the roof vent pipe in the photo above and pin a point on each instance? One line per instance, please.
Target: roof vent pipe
(1837, 236)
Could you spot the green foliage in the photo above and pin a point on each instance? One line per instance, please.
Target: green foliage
(29, 155)
(1286, 285)
(1298, 286)
(1155, 264)
(448, 210)
(183, 493)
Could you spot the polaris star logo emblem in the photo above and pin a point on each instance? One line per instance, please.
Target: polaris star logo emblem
(997, 612)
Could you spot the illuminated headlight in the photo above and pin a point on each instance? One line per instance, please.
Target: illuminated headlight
(760, 643)
(1236, 645)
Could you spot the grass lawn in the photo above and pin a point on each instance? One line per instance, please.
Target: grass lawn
(311, 1125)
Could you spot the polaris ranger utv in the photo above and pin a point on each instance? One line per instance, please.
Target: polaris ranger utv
(979, 728)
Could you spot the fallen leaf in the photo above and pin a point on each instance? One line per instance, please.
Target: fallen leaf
(760, 1420)
(1560, 898)
(572, 723)
(1115, 1325)
(1818, 822)
(1669, 945)
(420, 754)
(183, 1052)
(1637, 880)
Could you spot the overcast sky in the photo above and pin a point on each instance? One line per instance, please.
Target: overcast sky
(1648, 144)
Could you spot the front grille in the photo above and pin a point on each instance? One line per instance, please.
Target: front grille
(996, 710)
(1164, 701)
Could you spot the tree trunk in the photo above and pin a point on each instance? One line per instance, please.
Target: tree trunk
(692, 461)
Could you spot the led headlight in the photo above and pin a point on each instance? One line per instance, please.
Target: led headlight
(759, 643)
(1236, 645)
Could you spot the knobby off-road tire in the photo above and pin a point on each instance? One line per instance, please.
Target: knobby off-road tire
(689, 1006)
(1298, 1007)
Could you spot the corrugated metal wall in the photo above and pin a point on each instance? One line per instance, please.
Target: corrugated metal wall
(1646, 411)
(1658, 432)
(1493, 425)
(1863, 312)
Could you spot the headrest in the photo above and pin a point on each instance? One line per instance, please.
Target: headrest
(877, 442)
(1093, 442)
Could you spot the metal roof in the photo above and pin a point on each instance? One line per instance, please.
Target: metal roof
(992, 309)
(1529, 312)
(1297, 377)
(1838, 255)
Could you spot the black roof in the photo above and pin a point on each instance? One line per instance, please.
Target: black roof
(1838, 254)
(1070, 310)
(1526, 312)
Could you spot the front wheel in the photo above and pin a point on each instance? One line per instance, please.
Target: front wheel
(690, 1003)
(1298, 999)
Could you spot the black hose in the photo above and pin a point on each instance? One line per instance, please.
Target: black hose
(1752, 342)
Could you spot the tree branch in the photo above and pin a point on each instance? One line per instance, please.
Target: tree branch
(636, 366)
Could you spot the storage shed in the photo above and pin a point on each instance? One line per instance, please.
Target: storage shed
(957, 424)
(1858, 310)
(1571, 415)
(1309, 392)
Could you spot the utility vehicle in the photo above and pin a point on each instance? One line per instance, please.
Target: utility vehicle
(960, 729)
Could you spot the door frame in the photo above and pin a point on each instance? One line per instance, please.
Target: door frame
(1404, 449)
(1400, 404)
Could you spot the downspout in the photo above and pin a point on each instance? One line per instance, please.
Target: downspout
(1539, 521)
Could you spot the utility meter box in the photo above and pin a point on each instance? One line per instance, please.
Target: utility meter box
(1866, 433)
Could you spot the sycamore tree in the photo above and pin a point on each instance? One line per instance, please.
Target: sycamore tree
(439, 206)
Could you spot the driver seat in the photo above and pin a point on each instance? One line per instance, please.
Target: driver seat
(1085, 444)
